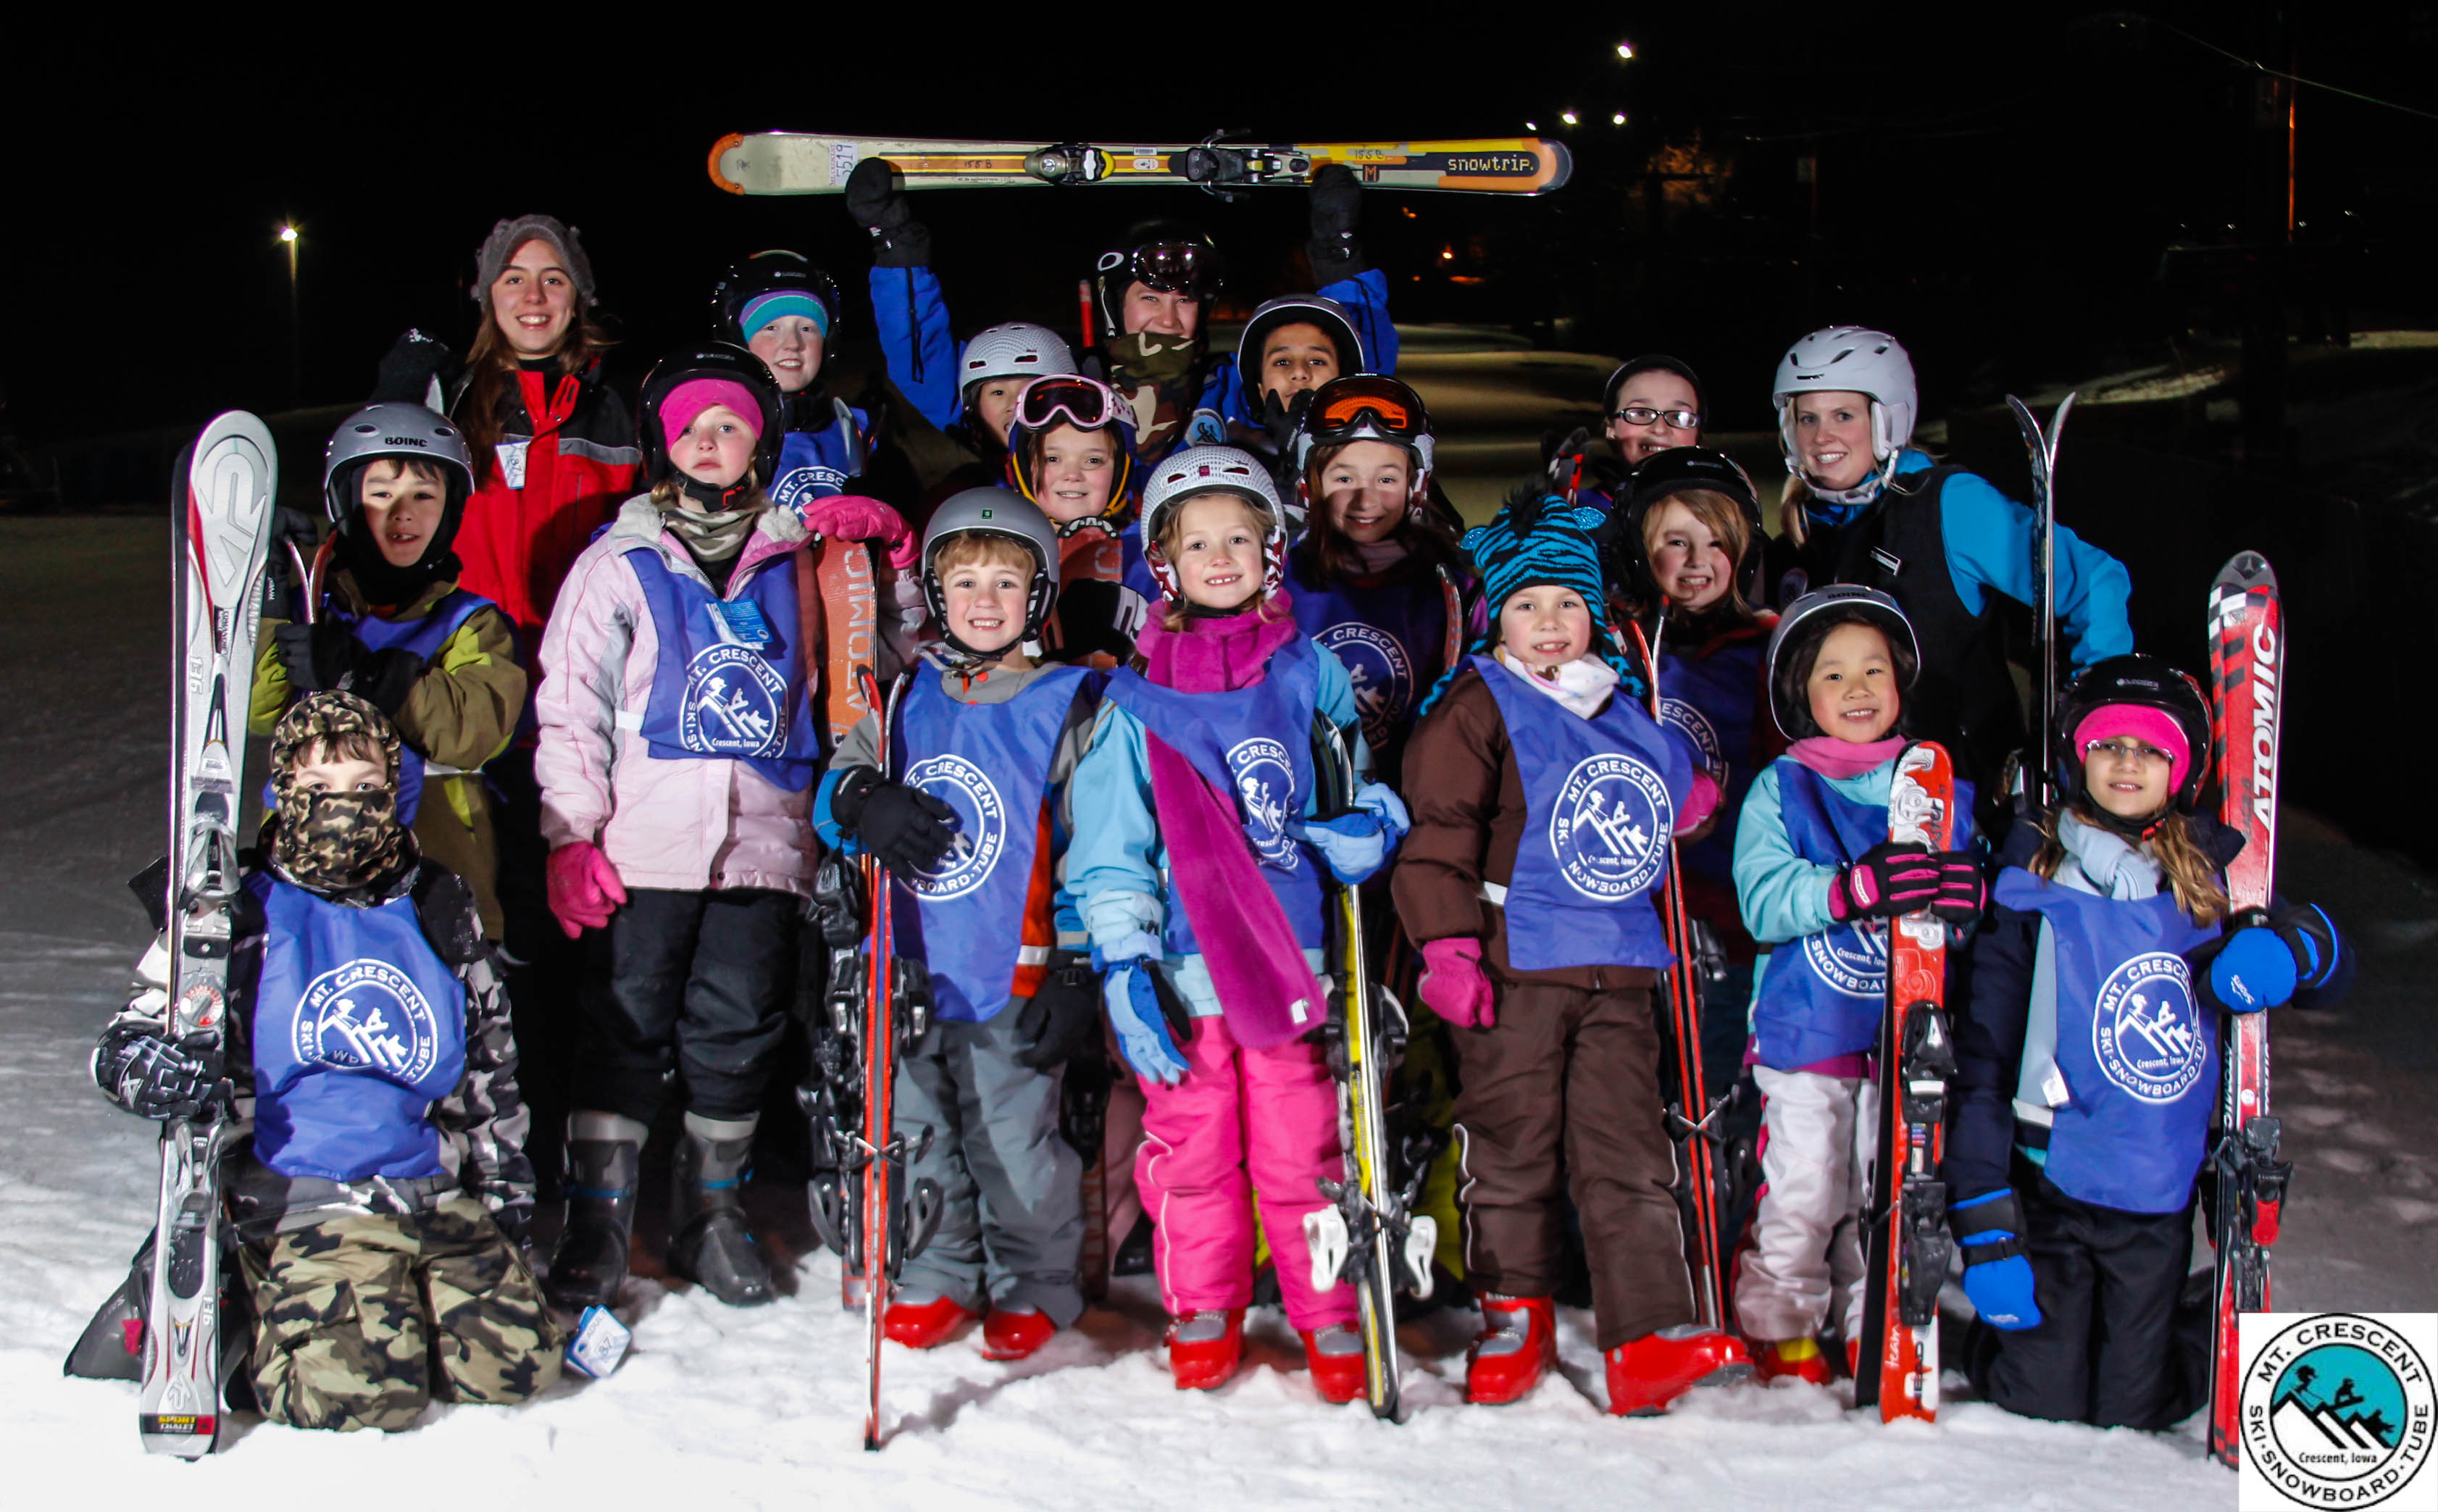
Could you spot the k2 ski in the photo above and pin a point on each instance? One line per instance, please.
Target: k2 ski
(2247, 674)
(1910, 1247)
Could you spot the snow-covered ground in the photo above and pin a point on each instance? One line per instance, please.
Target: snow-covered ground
(719, 1409)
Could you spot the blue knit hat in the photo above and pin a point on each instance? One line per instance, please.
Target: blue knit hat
(1536, 538)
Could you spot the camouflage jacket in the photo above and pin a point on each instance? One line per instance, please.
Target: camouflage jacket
(481, 1123)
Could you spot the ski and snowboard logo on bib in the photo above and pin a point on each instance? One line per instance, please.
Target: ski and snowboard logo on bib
(2144, 1031)
(1855, 962)
(1264, 785)
(982, 826)
(2336, 1408)
(735, 704)
(1383, 674)
(1609, 828)
(1679, 715)
(366, 1016)
(797, 488)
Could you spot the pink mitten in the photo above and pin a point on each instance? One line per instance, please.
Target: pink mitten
(584, 887)
(1453, 984)
(907, 555)
(1700, 804)
(853, 517)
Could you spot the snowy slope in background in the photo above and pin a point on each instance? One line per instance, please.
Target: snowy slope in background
(719, 1409)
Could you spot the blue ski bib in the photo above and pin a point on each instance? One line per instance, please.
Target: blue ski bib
(991, 764)
(1256, 743)
(1392, 640)
(1711, 698)
(2139, 1053)
(425, 638)
(813, 465)
(730, 682)
(1600, 804)
(359, 1027)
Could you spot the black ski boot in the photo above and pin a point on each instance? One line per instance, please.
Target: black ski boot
(709, 1241)
(604, 1156)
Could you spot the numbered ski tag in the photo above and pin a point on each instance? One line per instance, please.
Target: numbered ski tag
(600, 1343)
(741, 623)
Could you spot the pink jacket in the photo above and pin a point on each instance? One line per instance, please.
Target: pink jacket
(686, 824)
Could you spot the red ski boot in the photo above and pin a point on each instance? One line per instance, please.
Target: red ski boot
(1205, 1348)
(1517, 1345)
(1014, 1333)
(1792, 1359)
(924, 1320)
(1335, 1355)
(1647, 1374)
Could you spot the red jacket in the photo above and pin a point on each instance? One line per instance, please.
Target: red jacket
(551, 486)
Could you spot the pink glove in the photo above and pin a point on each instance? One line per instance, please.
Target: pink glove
(1700, 804)
(853, 517)
(584, 887)
(907, 555)
(1453, 984)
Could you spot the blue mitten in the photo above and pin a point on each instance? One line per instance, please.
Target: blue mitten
(1997, 1274)
(2265, 959)
(1357, 843)
(1131, 991)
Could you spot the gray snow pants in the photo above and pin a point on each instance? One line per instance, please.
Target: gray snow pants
(1012, 1228)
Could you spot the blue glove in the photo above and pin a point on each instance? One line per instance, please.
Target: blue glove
(1997, 1275)
(1360, 841)
(1131, 988)
(2265, 959)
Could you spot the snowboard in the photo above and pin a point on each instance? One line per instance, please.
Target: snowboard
(1368, 1236)
(804, 163)
(2043, 449)
(2247, 673)
(1910, 1247)
(221, 536)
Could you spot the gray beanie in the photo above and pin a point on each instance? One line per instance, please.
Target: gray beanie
(514, 232)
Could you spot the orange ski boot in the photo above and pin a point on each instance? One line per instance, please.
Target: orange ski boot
(1517, 1345)
(1205, 1348)
(1014, 1333)
(1335, 1355)
(924, 1320)
(1647, 1374)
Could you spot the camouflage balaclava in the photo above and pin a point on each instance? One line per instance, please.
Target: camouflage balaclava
(331, 840)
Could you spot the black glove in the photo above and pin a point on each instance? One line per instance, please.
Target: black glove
(149, 1076)
(1336, 214)
(326, 657)
(876, 204)
(1096, 615)
(1282, 418)
(411, 366)
(1562, 455)
(907, 828)
(1061, 1020)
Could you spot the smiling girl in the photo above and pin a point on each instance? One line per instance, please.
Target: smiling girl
(1198, 868)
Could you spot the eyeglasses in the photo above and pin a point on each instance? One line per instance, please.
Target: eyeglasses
(1645, 414)
(1081, 402)
(1172, 267)
(1385, 405)
(2133, 751)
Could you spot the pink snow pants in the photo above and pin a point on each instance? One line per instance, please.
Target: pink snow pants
(1270, 1115)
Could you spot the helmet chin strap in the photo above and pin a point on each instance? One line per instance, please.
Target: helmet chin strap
(716, 497)
(2142, 827)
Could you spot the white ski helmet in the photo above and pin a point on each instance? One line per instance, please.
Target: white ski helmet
(992, 512)
(1852, 360)
(1208, 471)
(1016, 349)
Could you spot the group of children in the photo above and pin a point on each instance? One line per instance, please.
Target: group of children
(1160, 593)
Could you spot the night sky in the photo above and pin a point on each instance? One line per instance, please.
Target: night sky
(1997, 184)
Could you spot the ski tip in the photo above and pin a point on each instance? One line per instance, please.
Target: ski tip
(1562, 166)
(719, 150)
(2246, 570)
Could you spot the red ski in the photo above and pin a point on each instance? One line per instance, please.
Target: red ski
(1910, 1247)
(2247, 668)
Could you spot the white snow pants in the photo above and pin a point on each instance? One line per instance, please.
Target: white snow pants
(1803, 1266)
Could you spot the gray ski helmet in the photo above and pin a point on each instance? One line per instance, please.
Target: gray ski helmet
(1298, 310)
(1017, 349)
(1821, 610)
(397, 428)
(1208, 471)
(514, 232)
(1851, 360)
(992, 512)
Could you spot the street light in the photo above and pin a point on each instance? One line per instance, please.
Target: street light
(1625, 52)
(1569, 117)
(1617, 119)
(288, 239)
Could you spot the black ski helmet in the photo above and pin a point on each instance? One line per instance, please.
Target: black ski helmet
(775, 270)
(1298, 310)
(992, 512)
(1163, 254)
(711, 360)
(2147, 682)
(1805, 623)
(1648, 362)
(1677, 470)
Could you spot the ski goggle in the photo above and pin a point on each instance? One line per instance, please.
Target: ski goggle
(1386, 407)
(1172, 267)
(1645, 414)
(1081, 402)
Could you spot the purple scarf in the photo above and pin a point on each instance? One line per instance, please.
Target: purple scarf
(1246, 942)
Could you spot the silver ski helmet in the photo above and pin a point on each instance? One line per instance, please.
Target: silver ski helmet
(711, 360)
(1207, 470)
(1676, 470)
(1853, 360)
(406, 431)
(1806, 623)
(992, 512)
(2142, 681)
(1298, 309)
(1017, 349)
